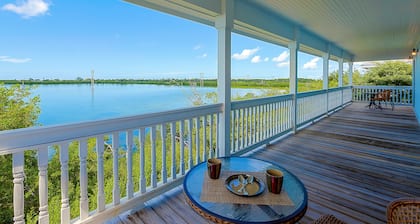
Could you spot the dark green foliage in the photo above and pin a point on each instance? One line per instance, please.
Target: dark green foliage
(18, 109)
(392, 73)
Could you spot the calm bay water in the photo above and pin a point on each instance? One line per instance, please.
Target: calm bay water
(76, 103)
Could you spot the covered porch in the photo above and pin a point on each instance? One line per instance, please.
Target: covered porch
(353, 163)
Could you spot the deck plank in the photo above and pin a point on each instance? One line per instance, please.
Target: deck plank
(353, 163)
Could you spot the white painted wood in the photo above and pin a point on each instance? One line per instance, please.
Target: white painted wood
(254, 124)
(163, 139)
(47, 135)
(246, 135)
(197, 140)
(190, 145)
(173, 150)
(293, 50)
(211, 155)
(153, 156)
(350, 73)
(142, 138)
(84, 199)
(181, 147)
(129, 158)
(224, 26)
(204, 137)
(100, 177)
(115, 158)
(216, 136)
(65, 201)
(340, 77)
(18, 187)
(325, 73)
(236, 131)
(43, 185)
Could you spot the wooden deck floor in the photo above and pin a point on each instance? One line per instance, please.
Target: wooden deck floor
(352, 164)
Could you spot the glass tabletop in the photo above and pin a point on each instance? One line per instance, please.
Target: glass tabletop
(244, 213)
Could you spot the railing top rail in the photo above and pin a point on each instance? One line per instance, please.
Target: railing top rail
(382, 87)
(34, 136)
(259, 101)
(311, 93)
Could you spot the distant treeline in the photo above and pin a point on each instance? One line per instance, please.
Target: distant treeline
(236, 83)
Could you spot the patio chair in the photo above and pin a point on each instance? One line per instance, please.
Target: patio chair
(328, 219)
(384, 96)
(403, 211)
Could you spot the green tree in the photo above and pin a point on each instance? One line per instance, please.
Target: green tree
(18, 109)
(396, 73)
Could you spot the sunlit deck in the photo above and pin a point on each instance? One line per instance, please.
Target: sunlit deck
(352, 164)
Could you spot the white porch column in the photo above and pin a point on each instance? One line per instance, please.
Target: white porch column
(293, 48)
(325, 72)
(350, 73)
(224, 25)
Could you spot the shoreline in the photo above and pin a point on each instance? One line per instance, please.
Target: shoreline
(235, 83)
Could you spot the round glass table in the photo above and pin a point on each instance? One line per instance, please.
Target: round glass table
(234, 212)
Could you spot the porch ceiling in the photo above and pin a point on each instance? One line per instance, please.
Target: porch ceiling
(371, 30)
(357, 30)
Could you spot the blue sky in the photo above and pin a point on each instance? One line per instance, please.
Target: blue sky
(49, 39)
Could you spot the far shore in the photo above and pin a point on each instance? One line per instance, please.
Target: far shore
(236, 83)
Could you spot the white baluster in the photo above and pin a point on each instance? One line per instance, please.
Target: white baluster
(181, 147)
(163, 137)
(142, 133)
(232, 133)
(18, 188)
(241, 128)
(254, 125)
(217, 152)
(237, 119)
(197, 140)
(43, 185)
(205, 137)
(115, 158)
(153, 151)
(190, 156)
(100, 163)
(129, 157)
(65, 201)
(173, 151)
(84, 200)
(211, 137)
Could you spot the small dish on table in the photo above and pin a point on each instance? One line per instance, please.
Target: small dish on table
(244, 185)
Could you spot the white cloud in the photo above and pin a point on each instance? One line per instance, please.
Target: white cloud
(197, 47)
(14, 60)
(283, 64)
(203, 55)
(312, 64)
(283, 56)
(266, 59)
(256, 59)
(245, 54)
(28, 8)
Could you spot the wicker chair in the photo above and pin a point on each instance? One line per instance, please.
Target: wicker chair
(328, 219)
(404, 211)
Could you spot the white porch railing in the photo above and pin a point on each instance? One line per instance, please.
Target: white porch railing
(155, 150)
(166, 145)
(257, 122)
(400, 95)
